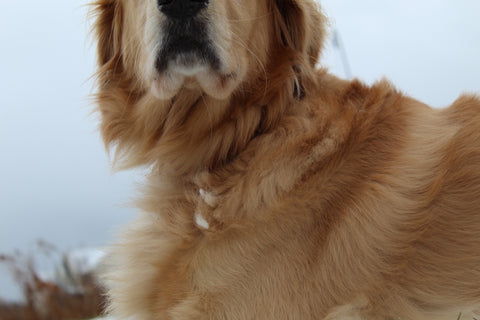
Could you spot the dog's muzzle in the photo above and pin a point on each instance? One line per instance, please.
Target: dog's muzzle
(186, 43)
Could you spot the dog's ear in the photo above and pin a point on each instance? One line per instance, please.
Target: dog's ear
(301, 26)
(108, 31)
(114, 92)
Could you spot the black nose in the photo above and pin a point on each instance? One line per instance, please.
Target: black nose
(181, 9)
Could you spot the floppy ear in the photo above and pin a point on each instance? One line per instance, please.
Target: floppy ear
(300, 26)
(107, 28)
(115, 95)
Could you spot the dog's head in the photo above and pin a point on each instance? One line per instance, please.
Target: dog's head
(149, 51)
(215, 45)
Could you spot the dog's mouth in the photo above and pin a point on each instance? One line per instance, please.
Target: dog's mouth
(186, 48)
(186, 56)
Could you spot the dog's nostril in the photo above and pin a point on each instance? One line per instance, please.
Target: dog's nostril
(181, 9)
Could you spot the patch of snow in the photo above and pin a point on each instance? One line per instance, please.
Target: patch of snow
(201, 222)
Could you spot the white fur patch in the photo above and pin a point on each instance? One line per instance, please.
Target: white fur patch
(207, 197)
(201, 222)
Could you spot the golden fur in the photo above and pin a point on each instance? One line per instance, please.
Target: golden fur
(276, 190)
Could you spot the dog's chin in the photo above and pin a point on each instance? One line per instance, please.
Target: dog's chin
(193, 74)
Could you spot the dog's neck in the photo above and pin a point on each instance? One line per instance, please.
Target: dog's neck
(201, 133)
(194, 132)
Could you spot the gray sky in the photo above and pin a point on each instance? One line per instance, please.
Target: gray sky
(55, 181)
(430, 49)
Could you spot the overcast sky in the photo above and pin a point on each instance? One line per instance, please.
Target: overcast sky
(55, 181)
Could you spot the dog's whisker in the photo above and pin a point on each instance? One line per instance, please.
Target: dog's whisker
(259, 62)
(249, 19)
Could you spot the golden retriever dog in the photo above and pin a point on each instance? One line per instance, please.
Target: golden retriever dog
(275, 189)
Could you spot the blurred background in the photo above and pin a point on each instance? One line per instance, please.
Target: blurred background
(57, 193)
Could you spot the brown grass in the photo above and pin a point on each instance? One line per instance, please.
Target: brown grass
(46, 300)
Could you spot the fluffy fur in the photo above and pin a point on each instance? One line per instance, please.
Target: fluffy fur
(276, 190)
